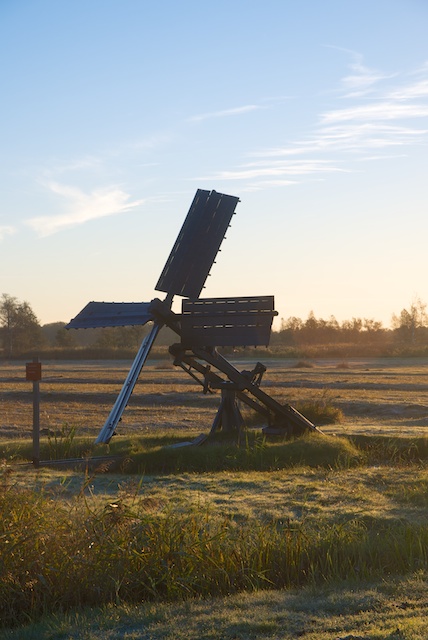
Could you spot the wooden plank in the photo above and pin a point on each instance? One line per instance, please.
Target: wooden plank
(221, 322)
(111, 314)
(210, 306)
(237, 320)
(226, 336)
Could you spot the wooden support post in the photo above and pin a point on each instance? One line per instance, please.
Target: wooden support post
(34, 373)
(36, 423)
(228, 418)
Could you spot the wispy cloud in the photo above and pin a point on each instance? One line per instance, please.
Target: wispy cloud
(390, 110)
(347, 137)
(84, 163)
(280, 170)
(383, 112)
(82, 207)
(102, 162)
(411, 91)
(392, 99)
(225, 113)
(150, 143)
(383, 157)
(361, 79)
(6, 230)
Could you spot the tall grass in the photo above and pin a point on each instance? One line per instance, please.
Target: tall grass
(60, 443)
(322, 410)
(56, 556)
(151, 454)
(392, 450)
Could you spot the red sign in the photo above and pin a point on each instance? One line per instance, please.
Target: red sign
(33, 371)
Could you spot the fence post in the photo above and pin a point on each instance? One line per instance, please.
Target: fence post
(34, 373)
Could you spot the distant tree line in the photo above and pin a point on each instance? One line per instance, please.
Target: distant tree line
(408, 329)
(22, 333)
(317, 330)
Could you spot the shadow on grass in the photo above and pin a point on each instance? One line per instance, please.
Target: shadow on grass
(155, 454)
(254, 453)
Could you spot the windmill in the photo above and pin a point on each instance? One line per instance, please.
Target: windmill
(203, 325)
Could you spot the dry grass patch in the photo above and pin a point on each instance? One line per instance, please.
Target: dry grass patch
(374, 395)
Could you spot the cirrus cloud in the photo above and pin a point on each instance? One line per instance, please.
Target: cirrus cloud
(384, 112)
(225, 113)
(82, 207)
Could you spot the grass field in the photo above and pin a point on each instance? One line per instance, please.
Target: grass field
(325, 538)
(386, 395)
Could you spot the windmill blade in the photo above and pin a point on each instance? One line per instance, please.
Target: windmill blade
(197, 244)
(112, 421)
(227, 322)
(111, 314)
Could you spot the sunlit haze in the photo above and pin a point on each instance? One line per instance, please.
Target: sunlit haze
(315, 114)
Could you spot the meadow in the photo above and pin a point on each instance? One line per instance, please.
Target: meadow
(321, 537)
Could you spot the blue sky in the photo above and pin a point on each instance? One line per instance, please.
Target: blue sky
(314, 113)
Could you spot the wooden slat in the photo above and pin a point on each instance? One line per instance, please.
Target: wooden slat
(228, 337)
(111, 314)
(200, 320)
(224, 322)
(197, 244)
(212, 306)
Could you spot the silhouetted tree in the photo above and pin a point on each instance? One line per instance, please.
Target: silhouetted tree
(310, 328)
(372, 326)
(120, 337)
(410, 322)
(19, 328)
(64, 338)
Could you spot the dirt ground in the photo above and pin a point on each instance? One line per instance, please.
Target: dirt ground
(382, 395)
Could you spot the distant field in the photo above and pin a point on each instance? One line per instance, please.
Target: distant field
(386, 395)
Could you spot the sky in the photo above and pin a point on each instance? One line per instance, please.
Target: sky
(315, 114)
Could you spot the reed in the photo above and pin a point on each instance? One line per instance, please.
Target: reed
(57, 555)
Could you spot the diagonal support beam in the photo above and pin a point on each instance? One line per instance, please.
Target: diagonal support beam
(182, 358)
(112, 421)
(294, 418)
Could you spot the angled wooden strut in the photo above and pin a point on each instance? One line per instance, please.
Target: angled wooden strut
(122, 400)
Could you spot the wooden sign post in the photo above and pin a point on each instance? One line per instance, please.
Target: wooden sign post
(33, 373)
